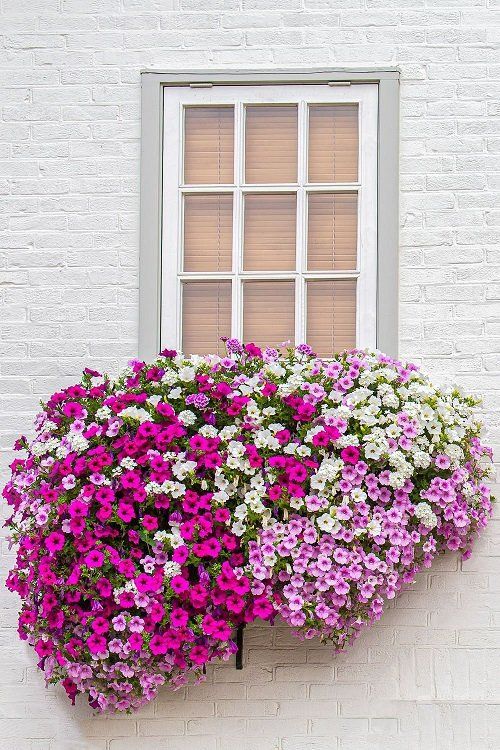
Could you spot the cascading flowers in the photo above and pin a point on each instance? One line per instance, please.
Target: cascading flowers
(155, 513)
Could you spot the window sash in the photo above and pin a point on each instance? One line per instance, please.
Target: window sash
(175, 99)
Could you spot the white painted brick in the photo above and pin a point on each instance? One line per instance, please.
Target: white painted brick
(299, 674)
(426, 675)
(160, 743)
(309, 743)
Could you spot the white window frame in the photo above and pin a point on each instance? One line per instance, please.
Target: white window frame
(174, 189)
(377, 272)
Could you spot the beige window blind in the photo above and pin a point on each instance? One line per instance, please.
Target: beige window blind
(271, 135)
(206, 316)
(331, 315)
(333, 143)
(268, 312)
(208, 145)
(269, 232)
(332, 231)
(208, 232)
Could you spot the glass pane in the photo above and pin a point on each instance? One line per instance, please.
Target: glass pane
(268, 312)
(331, 316)
(271, 144)
(332, 229)
(206, 316)
(333, 143)
(208, 232)
(269, 242)
(209, 145)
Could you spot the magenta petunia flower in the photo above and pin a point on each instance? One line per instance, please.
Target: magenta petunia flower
(350, 455)
(179, 584)
(100, 625)
(94, 559)
(73, 410)
(96, 644)
(198, 654)
(55, 541)
(150, 522)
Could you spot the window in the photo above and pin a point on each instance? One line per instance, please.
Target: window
(269, 223)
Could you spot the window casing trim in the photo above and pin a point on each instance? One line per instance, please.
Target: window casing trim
(153, 84)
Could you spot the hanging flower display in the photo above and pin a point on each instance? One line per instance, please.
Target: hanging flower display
(155, 513)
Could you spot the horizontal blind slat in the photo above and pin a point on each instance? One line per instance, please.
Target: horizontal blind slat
(208, 145)
(333, 143)
(331, 316)
(208, 232)
(268, 312)
(269, 232)
(206, 316)
(332, 231)
(271, 144)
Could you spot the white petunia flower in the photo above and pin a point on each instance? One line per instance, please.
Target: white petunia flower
(187, 417)
(373, 528)
(187, 374)
(238, 528)
(128, 463)
(208, 431)
(226, 433)
(426, 515)
(358, 495)
(170, 377)
(39, 449)
(236, 449)
(328, 524)
(182, 468)
(78, 442)
(303, 450)
(171, 569)
(134, 412)
(103, 414)
(373, 451)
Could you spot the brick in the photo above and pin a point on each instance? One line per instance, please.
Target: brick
(309, 743)
(34, 41)
(426, 675)
(249, 708)
(298, 674)
(161, 727)
(162, 743)
(216, 726)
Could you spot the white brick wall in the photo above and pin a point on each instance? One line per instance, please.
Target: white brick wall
(427, 676)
